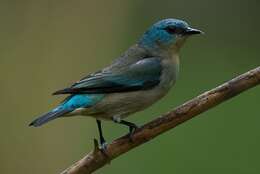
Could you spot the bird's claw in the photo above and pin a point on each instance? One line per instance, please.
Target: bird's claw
(103, 148)
(132, 130)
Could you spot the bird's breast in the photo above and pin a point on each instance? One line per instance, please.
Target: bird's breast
(170, 72)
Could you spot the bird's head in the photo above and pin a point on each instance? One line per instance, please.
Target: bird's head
(167, 34)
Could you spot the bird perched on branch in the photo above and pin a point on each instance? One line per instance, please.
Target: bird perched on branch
(134, 81)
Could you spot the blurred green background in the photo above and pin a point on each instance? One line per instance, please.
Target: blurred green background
(47, 45)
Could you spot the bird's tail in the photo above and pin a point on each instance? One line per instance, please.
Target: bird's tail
(55, 113)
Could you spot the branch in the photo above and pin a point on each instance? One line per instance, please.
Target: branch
(96, 159)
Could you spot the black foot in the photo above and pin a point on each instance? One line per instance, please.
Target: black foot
(132, 127)
(103, 148)
(103, 143)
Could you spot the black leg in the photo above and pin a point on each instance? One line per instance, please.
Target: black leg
(101, 138)
(132, 127)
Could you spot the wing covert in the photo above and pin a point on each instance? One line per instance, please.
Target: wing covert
(142, 75)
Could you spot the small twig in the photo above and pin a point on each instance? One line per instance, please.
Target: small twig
(96, 159)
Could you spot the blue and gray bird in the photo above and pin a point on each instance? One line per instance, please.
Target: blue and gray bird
(137, 79)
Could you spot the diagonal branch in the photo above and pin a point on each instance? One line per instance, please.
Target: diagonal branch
(96, 159)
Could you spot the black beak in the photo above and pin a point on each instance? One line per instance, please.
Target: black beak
(192, 31)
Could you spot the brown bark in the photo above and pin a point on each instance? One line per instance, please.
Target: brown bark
(96, 159)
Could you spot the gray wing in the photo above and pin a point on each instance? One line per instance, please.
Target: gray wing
(142, 75)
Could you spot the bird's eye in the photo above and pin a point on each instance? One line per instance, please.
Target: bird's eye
(174, 30)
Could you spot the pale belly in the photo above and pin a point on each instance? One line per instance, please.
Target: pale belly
(123, 104)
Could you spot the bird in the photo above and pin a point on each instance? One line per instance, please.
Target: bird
(138, 78)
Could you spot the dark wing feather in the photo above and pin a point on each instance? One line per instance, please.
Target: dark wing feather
(142, 75)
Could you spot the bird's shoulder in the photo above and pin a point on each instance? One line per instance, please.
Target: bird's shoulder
(134, 54)
(131, 56)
